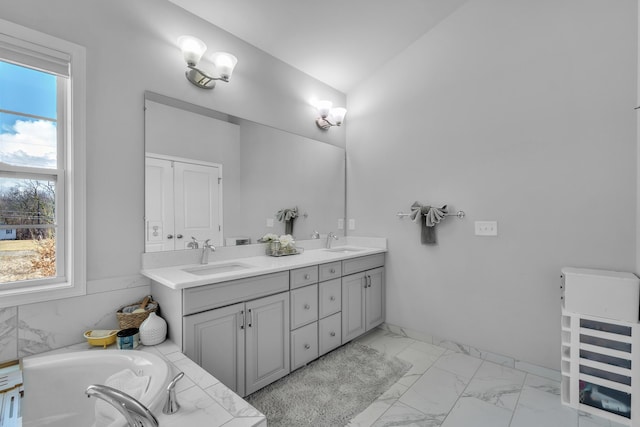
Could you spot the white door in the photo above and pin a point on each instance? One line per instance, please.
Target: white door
(353, 311)
(159, 232)
(374, 304)
(214, 340)
(197, 203)
(267, 341)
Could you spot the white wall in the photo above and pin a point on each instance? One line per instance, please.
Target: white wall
(518, 111)
(131, 48)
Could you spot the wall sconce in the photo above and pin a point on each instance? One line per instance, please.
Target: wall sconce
(329, 116)
(192, 50)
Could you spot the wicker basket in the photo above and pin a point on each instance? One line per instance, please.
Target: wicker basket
(133, 320)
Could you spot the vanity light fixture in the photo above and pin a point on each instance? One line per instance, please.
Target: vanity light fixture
(329, 116)
(223, 63)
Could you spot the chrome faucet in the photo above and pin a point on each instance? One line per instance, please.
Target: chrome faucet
(206, 247)
(193, 244)
(171, 405)
(136, 414)
(330, 236)
(315, 235)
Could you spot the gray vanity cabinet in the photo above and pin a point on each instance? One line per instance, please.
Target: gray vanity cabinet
(245, 345)
(362, 296)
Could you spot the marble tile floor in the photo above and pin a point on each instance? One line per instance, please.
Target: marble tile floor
(452, 389)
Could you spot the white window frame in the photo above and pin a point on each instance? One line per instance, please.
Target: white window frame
(71, 209)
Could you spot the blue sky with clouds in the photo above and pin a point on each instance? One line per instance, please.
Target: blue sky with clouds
(24, 140)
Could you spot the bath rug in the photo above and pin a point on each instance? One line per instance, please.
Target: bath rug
(331, 390)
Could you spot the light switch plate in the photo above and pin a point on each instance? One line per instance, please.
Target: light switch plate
(340, 223)
(486, 228)
(352, 224)
(270, 222)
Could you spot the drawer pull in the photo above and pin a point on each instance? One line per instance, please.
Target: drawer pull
(332, 298)
(307, 277)
(307, 306)
(333, 334)
(332, 271)
(241, 319)
(307, 346)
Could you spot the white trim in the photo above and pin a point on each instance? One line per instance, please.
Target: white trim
(182, 160)
(75, 171)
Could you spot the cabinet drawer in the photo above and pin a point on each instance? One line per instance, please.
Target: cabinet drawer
(329, 333)
(304, 306)
(330, 271)
(206, 297)
(356, 265)
(330, 298)
(304, 276)
(304, 345)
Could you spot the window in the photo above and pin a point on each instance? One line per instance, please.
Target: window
(42, 249)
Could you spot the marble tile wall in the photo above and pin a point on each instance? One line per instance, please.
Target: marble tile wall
(35, 328)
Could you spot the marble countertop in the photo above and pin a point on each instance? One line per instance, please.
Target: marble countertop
(203, 399)
(175, 277)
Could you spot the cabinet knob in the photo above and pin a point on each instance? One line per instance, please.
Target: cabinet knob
(169, 236)
(179, 236)
(332, 271)
(333, 334)
(307, 346)
(307, 277)
(307, 306)
(332, 298)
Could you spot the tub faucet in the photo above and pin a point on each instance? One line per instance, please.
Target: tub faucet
(330, 236)
(206, 248)
(136, 414)
(171, 405)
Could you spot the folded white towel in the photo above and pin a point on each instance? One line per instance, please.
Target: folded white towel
(126, 381)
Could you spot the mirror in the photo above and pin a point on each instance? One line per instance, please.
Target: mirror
(214, 176)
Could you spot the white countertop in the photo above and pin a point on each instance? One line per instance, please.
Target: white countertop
(175, 277)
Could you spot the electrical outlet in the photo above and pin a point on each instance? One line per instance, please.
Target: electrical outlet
(352, 224)
(270, 222)
(340, 223)
(486, 228)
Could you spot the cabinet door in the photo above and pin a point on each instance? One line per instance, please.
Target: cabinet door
(267, 341)
(329, 336)
(214, 340)
(329, 298)
(304, 306)
(374, 298)
(304, 345)
(353, 314)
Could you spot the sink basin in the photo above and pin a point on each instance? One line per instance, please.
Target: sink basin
(206, 270)
(344, 249)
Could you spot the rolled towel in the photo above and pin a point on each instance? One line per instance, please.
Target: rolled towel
(435, 215)
(126, 381)
(428, 217)
(417, 211)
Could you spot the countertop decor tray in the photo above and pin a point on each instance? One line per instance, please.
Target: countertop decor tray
(287, 252)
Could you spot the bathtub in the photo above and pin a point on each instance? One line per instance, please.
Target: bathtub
(55, 384)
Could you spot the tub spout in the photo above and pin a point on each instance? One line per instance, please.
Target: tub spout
(171, 405)
(136, 414)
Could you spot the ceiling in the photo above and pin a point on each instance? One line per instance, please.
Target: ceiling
(339, 42)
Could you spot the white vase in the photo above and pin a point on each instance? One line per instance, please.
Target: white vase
(153, 330)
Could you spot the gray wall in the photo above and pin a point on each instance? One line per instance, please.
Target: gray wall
(131, 48)
(518, 111)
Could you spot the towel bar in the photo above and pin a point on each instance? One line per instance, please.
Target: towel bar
(459, 214)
